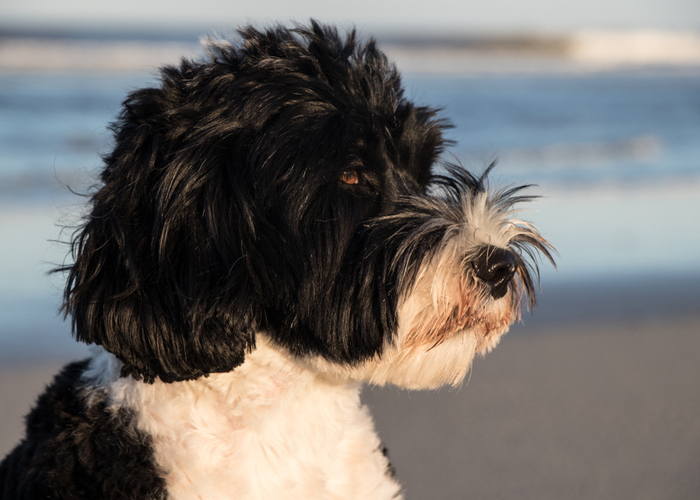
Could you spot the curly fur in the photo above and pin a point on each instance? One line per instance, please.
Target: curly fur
(270, 231)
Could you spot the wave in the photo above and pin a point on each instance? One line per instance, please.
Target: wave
(562, 155)
(46, 54)
(579, 52)
(639, 47)
(450, 54)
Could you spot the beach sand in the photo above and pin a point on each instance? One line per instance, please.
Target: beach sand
(603, 410)
(606, 411)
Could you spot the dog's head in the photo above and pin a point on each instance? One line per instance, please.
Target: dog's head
(286, 187)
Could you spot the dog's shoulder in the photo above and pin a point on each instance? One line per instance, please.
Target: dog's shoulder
(76, 446)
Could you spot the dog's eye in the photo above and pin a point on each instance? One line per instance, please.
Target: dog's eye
(350, 177)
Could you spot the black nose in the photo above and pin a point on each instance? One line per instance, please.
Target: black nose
(495, 267)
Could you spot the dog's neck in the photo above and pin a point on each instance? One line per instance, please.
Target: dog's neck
(270, 427)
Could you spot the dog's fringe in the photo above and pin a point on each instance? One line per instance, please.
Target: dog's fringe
(220, 212)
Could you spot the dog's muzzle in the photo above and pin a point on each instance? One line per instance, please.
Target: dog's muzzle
(495, 267)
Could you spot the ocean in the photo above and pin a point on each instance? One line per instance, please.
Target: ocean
(613, 153)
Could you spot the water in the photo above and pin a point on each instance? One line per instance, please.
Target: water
(624, 128)
(615, 155)
(576, 129)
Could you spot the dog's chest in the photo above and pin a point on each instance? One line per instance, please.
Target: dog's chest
(262, 431)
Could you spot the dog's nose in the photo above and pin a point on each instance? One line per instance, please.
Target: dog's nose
(495, 267)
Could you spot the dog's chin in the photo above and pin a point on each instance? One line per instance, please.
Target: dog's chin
(416, 360)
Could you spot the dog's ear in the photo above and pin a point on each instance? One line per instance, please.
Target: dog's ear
(160, 273)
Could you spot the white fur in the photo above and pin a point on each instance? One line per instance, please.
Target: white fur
(418, 357)
(268, 429)
(294, 428)
(420, 366)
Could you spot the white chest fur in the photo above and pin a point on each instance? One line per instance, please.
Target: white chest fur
(269, 429)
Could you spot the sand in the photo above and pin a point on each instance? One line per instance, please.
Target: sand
(599, 410)
(594, 412)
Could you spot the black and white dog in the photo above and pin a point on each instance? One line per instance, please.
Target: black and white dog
(272, 230)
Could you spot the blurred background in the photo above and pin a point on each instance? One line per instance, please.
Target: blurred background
(597, 103)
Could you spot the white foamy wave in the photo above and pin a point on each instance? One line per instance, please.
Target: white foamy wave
(639, 47)
(563, 155)
(581, 52)
(578, 52)
(37, 54)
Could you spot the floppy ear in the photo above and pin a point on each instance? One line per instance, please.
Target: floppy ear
(160, 276)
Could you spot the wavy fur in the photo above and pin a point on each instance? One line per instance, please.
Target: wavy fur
(271, 229)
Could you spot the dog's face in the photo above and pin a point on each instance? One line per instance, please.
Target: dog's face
(287, 188)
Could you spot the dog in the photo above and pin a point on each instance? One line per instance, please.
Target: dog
(273, 228)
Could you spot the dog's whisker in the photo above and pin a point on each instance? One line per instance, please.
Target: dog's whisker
(273, 227)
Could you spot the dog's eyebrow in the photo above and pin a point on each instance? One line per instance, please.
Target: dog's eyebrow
(239, 294)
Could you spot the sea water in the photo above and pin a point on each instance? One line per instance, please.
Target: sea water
(614, 155)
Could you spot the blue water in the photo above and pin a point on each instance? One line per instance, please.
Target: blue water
(616, 157)
(552, 128)
(586, 116)
(52, 123)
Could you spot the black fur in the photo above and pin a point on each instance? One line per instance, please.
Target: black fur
(221, 211)
(228, 206)
(78, 448)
